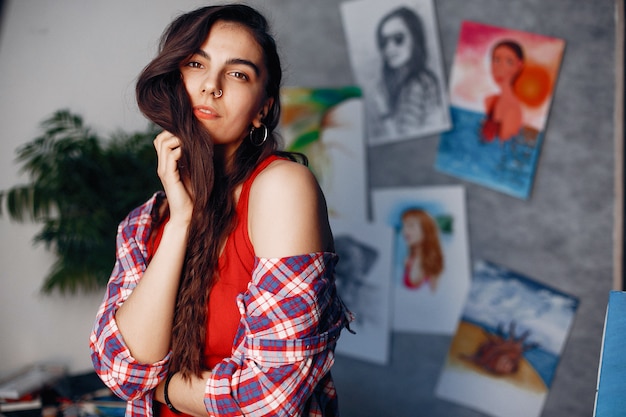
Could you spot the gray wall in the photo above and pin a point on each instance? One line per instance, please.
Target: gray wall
(85, 55)
(561, 236)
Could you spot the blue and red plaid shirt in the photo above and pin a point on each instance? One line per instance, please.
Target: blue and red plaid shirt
(291, 318)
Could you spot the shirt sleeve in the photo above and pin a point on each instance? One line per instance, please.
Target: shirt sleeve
(291, 318)
(111, 357)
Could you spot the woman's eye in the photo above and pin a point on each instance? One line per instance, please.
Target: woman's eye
(194, 64)
(240, 75)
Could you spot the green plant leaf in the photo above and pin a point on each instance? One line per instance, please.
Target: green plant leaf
(80, 187)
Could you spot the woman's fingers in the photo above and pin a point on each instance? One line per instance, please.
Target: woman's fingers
(168, 148)
(169, 152)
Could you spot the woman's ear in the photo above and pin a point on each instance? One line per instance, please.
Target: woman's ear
(264, 111)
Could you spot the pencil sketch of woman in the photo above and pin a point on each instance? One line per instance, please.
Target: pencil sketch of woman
(357, 259)
(408, 95)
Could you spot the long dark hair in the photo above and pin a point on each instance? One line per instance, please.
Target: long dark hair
(162, 97)
(415, 68)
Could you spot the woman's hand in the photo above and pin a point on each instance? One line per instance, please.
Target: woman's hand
(186, 396)
(169, 152)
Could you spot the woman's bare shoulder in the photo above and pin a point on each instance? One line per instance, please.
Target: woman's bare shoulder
(284, 172)
(285, 185)
(287, 212)
(490, 100)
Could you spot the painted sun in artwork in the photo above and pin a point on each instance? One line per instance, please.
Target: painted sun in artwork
(534, 84)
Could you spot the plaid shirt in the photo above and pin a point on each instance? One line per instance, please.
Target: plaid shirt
(280, 365)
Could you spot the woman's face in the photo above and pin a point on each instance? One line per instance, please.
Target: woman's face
(397, 42)
(229, 60)
(412, 230)
(505, 65)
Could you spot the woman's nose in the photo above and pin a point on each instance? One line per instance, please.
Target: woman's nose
(210, 85)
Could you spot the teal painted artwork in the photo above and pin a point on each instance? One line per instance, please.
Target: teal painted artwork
(610, 398)
(508, 167)
(501, 87)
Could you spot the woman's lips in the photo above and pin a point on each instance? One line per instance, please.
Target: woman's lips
(204, 112)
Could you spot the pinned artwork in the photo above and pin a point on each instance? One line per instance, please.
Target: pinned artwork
(396, 58)
(610, 400)
(501, 88)
(505, 351)
(431, 271)
(326, 124)
(362, 275)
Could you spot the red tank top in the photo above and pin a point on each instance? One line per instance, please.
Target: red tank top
(235, 272)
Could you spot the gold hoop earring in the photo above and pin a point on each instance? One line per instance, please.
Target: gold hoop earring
(252, 135)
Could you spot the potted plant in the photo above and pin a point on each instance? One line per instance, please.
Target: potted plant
(81, 186)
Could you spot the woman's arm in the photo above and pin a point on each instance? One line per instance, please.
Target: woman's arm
(130, 339)
(287, 212)
(186, 395)
(146, 317)
(111, 357)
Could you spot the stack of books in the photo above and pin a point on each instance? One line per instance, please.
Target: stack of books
(21, 392)
(47, 391)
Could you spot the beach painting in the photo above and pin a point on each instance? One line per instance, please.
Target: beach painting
(504, 354)
(501, 87)
(431, 269)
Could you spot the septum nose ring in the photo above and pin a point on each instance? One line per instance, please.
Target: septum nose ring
(218, 95)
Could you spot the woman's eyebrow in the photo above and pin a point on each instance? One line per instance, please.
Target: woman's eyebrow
(233, 61)
(246, 62)
(202, 54)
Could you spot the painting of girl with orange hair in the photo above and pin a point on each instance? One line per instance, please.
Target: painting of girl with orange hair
(430, 274)
(424, 260)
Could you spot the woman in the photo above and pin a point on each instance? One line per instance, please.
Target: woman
(408, 96)
(222, 300)
(504, 110)
(424, 260)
